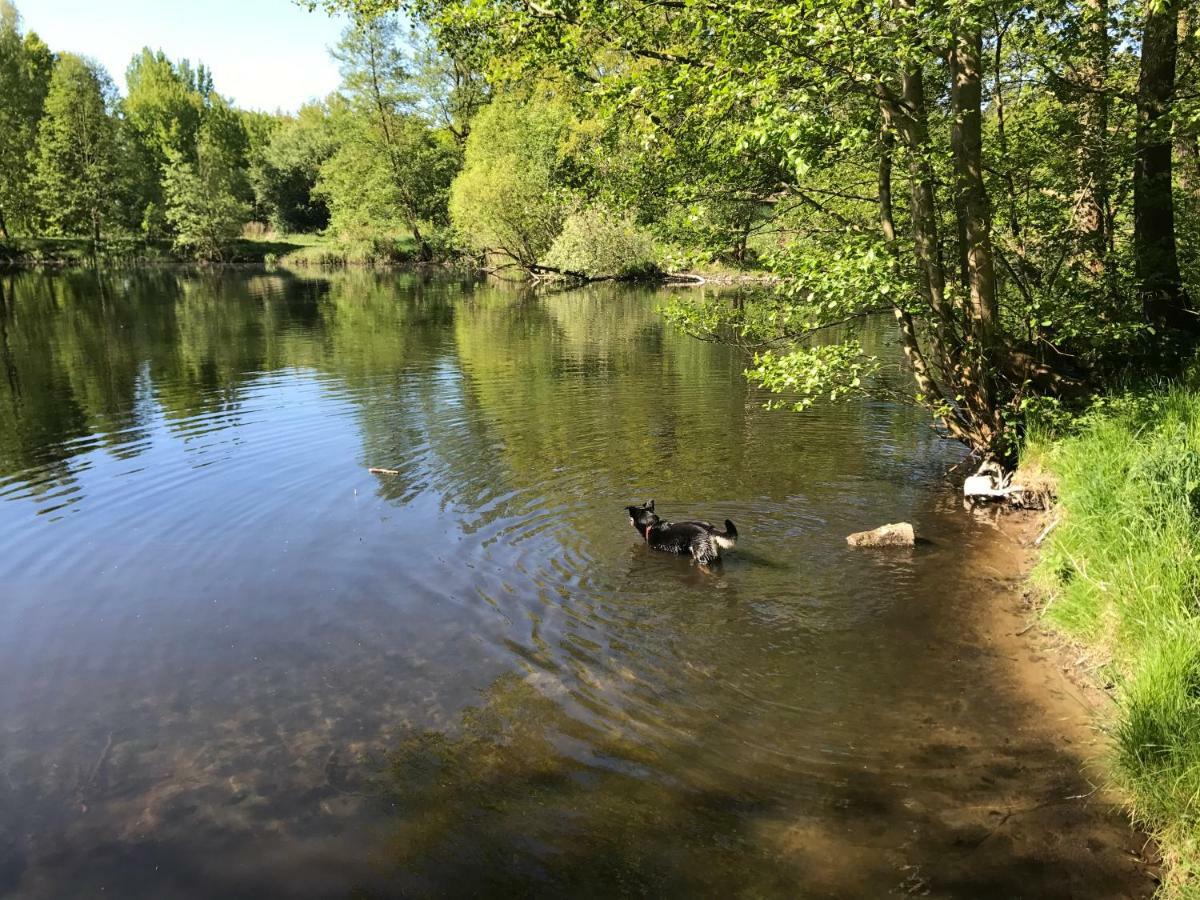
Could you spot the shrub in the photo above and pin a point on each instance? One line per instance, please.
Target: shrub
(598, 242)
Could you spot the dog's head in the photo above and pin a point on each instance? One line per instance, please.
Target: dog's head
(642, 517)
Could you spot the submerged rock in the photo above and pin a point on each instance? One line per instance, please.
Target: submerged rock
(899, 534)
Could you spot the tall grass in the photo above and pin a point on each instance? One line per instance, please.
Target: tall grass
(1122, 575)
(366, 252)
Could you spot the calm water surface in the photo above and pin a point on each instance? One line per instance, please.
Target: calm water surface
(234, 663)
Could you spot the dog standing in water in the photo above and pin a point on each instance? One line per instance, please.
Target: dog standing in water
(700, 539)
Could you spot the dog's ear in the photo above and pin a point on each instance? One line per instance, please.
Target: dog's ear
(650, 505)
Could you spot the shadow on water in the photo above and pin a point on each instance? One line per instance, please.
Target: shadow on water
(505, 807)
(235, 663)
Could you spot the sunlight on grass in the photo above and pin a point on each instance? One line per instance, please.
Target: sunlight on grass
(1121, 573)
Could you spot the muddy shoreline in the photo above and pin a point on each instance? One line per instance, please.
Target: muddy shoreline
(1067, 704)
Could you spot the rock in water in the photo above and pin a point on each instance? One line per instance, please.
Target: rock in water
(898, 535)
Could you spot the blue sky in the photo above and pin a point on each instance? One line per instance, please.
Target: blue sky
(265, 54)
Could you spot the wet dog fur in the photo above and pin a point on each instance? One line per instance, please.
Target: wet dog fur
(701, 539)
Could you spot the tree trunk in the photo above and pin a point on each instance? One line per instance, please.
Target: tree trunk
(1164, 300)
(1091, 212)
(4, 235)
(1187, 143)
(909, 341)
(967, 139)
(1025, 273)
(912, 124)
(424, 251)
(964, 241)
(966, 96)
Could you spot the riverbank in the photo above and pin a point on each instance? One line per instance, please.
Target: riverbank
(1119, 575)
(298, 250)
(304, 252)
(1039, 801)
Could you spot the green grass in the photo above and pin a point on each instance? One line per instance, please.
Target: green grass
(331, 253)
(1122, 574)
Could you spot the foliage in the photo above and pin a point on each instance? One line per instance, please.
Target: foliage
(1121, 573)
(25, 65)
(450, 92)
(162, 112)
(174, 160)
(286, 164)
(203, 204)
(759, 127)
(512, 194)
(598, 242)
(807, 374)
(374, 252)
(164, 104)
(391, 169)
(385, 181)
(77, 161)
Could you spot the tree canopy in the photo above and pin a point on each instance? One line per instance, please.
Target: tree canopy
(25, 64)
(77, 152)
(171, 159)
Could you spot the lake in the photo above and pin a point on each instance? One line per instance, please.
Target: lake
(233, 662)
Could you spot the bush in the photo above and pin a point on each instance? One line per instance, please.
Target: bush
(599, 242)
(375, 251)
(202, 208)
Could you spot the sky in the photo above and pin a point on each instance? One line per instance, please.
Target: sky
(265, 54)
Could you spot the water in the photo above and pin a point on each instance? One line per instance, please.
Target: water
(235, 663)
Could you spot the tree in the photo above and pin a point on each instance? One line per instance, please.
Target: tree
(164, 103)
(286, 165)
(967, 101)
(1160, 284)
(203, 198)
(451, 91)
(1093, 209)
(391, 167)
(77, 147)
(166, 107)
(25, 65)
(511, 196)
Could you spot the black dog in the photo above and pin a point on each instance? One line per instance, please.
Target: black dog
(700, 539)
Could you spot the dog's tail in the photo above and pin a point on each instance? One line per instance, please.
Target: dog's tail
(729, 538)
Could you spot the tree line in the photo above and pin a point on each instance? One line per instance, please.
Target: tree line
(171, 159)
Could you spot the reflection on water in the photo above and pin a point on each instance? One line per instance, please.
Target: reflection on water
(233, 662)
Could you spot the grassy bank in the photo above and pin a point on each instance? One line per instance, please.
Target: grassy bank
(1121, 574)
(327, 253)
